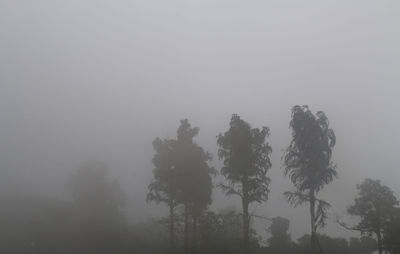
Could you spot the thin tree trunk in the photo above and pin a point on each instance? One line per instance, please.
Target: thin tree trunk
(194, 235)
(171, 228)
(186, 237)
(379, 236)
(313, 240)
(246, 223)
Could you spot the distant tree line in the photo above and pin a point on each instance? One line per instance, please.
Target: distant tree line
(245, 153)
(183, 180)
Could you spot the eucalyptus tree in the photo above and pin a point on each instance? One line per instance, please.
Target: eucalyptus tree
(194, 179)
(375, 205)
(246, 157)
(163, 188)
(307, 162)
(182, 176)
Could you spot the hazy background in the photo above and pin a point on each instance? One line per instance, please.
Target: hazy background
(102, 79)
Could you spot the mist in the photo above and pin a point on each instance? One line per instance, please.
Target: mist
(100, 80)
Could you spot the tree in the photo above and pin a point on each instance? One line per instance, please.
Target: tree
(96, 195)
(182, 176)
(163, 187)
(280, 241)
(245, 154)
(194, 179)
(392, 233)
(307, 162)
(375, 205)
(98, 201)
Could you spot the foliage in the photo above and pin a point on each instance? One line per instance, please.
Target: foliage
(375, 205)
(279, 233)
(220, 232)
(163, 188)
(182, 176)
(308, 158)
(307, 162)
(297, 198)
(96, 196)
(194, 177)
(245, 154)
(392, 233)
(34, 223)
(330, 245)
(98, 201)
(93, 221)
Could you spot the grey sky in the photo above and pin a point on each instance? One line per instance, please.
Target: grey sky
(102, 79)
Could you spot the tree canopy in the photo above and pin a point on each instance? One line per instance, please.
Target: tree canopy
(246, 157)
(375, 205)
(182, 176)
(307, 162)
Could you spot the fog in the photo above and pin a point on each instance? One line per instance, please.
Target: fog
(103, 79)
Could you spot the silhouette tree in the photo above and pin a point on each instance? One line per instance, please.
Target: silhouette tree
(307, 161)
(96, 195)
(98, 201)
(245, 154)
(182, 176)
(375, 205)
(280, 241)
(194, 179)
(163, 187)
(392, 233)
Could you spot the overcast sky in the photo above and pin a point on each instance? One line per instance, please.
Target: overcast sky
(101, 79)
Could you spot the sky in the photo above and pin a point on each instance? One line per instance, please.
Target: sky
(102, 79)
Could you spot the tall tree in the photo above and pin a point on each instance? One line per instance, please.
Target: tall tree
(98, 201)
(307, 162)
(194, 179)
(163, 187)
(182, 176)
(375, 205)
(245, 154)
(392, 233)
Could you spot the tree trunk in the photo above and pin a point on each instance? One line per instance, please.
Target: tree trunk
(246, 225)
(186, 237)
(313, 240)
(379, 237)
(171, 228)
(194, 235)
(246, 219)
